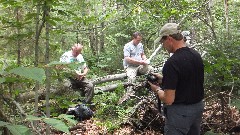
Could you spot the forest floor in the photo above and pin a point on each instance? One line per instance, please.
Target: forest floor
(218, 118)
(89, 127)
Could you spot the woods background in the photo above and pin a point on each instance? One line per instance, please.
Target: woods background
(35, 33)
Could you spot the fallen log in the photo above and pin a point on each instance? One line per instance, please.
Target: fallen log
(112, 87)
(64, 87)
(109, 78)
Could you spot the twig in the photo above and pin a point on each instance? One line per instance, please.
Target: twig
(152, 121)
(7, 98)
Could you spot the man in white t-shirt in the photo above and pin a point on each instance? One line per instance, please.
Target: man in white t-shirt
(79, 80)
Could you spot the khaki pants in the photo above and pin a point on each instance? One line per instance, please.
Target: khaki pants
(133, 71)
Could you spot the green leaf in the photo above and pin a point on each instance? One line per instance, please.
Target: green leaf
(3, 72)
(30, 16)
(19, 130)
(31, 118)
(173, 11)
(15, 79)
(58, 124)
(54, 63)
(2, 123)
(37, 74)
(68, 118)
(75, 65)
(56, 19)
(72, 65)
(2, 80)
(61, 12)
(236, 102)
(51, 21)
(210, 133)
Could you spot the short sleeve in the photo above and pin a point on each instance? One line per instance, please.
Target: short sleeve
(141, 49)
(126, 50)
(80, 59)
(64, 58)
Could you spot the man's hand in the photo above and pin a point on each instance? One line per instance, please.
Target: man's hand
(159, 76)
(148, 61)
(143, 62)
(153, 87)
(80, 77)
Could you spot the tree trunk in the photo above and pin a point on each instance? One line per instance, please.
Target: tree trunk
(37, 35)
(91, 39)
(211, 20)
(226, 17)
(91, 32)
(18, 39)
(102, 36)
(47, 70)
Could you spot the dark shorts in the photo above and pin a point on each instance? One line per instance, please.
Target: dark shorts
(85, 88)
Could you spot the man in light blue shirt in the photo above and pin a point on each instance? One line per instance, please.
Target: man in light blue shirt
(135, 60)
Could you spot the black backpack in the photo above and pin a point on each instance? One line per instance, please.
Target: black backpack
(81, 112)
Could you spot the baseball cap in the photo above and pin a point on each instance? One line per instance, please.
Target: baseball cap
(166, 30)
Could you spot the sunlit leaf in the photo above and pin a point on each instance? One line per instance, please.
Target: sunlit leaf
(69, 118)
(37, 74)
(54, 63)
(2, 80)
(2, 123)
(58, 124)
(236, 102)
(19, 130)
(31, 118)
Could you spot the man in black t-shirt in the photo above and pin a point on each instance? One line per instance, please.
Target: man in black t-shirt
(182, 84)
